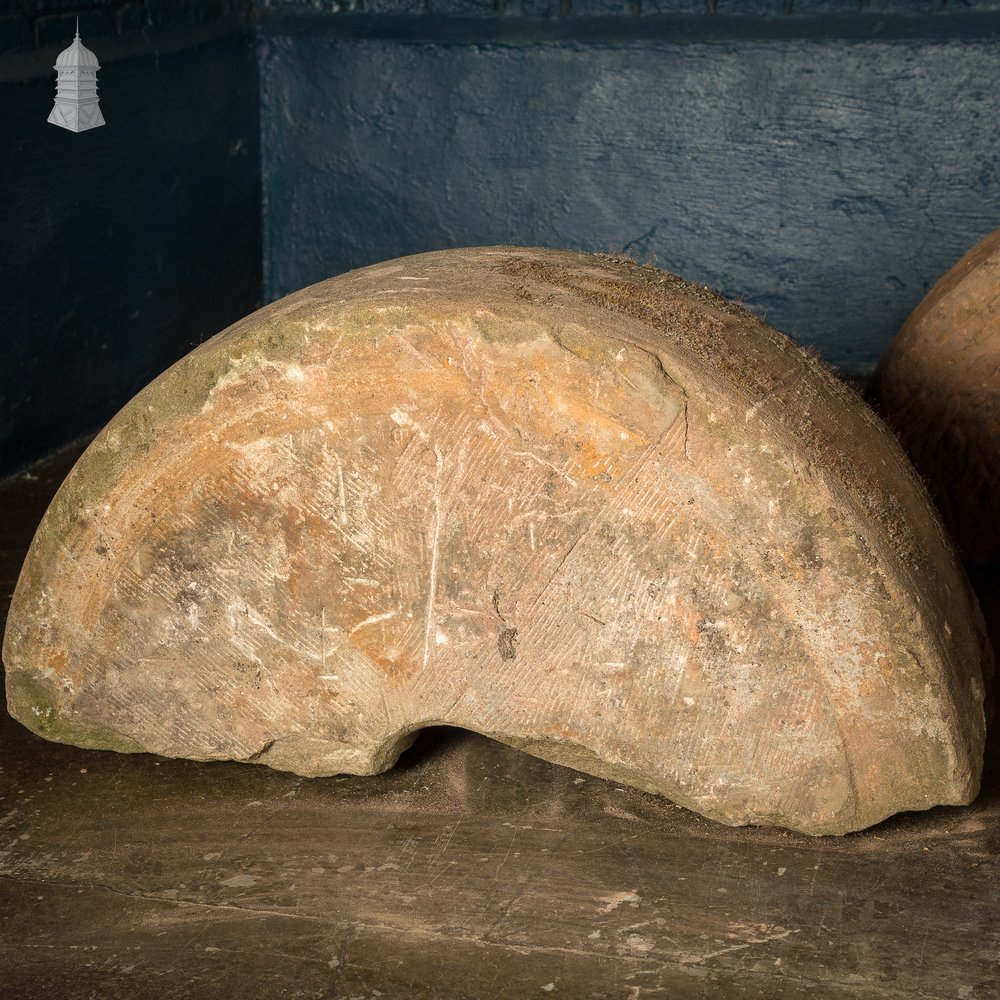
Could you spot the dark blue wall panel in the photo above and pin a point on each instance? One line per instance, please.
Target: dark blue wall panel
(823, 160)
(123, 246)
(825, 170)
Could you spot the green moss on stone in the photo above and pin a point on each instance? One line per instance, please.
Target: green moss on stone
(30, 701)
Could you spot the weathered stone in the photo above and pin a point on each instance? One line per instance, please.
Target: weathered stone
(580, 506)
(938, 386)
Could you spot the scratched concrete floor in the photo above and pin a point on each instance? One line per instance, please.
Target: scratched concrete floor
(469, 871)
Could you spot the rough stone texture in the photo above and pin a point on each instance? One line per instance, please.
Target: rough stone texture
(578, 505)
(467, 871)
(938, 385)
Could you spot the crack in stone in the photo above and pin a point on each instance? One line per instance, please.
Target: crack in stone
(260, 753)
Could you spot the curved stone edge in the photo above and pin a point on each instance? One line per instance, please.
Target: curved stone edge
(140, 423)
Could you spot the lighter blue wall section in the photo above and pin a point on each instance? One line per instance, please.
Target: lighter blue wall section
(824, 169)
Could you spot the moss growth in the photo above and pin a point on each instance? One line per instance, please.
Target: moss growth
(30, 701)
(505, 330)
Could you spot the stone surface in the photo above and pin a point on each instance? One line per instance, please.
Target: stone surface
(574, 504)
(467, 869)
(938, 386)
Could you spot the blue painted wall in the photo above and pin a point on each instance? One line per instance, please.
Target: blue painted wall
(823, 161)
(120, 247)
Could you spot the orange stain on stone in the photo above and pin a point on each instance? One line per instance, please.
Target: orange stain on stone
(57, 659)
(396, 669)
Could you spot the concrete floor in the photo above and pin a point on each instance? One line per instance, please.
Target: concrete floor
(468, 871)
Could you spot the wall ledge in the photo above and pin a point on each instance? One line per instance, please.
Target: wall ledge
(513, 28)
(22, 67)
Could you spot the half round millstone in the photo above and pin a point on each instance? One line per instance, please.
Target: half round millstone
(575, 504)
